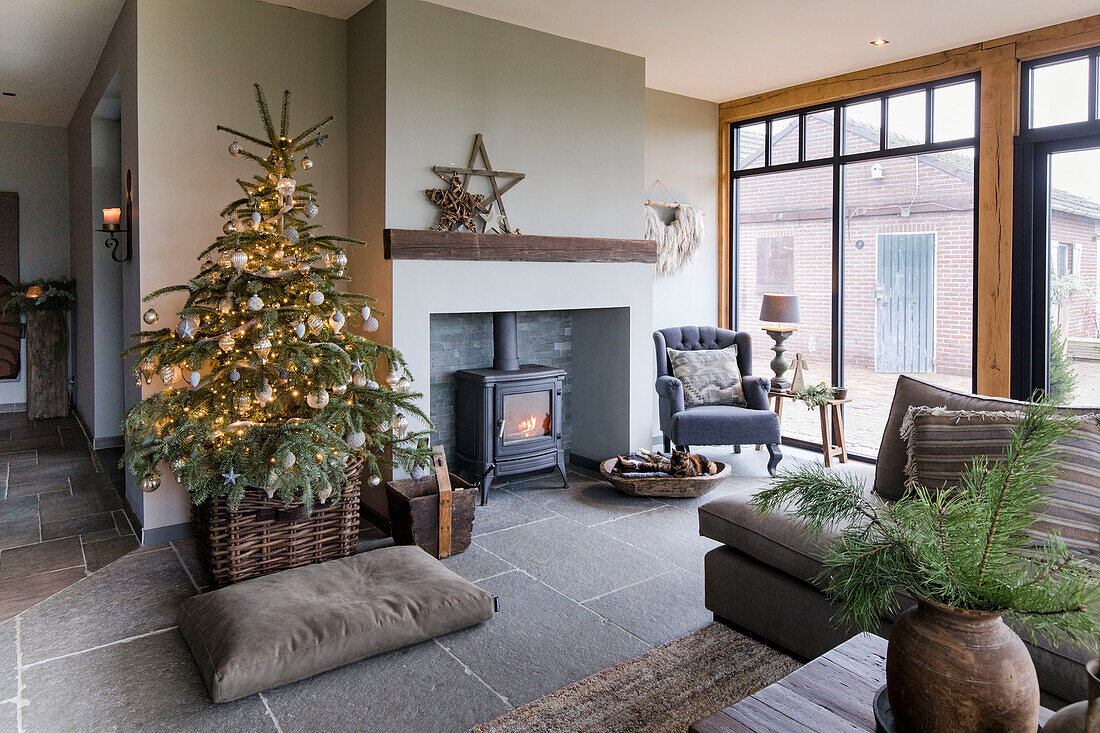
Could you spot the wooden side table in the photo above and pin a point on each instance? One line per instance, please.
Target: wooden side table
(832, 425)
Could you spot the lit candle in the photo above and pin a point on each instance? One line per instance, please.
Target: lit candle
(111, 218)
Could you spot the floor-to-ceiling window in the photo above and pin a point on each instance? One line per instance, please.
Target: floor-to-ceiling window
(864, 209)
(1057, 339)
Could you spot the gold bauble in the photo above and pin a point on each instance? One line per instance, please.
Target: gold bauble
(150, 316)
(149, 483)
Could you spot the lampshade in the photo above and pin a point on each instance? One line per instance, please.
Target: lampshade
(779, 308)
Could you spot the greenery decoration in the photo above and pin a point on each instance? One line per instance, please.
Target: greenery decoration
(1063, 378)
(263, 386)
(965, 548)
(815, 395)
(59, 295)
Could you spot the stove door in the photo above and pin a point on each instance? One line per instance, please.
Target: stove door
(527, 418)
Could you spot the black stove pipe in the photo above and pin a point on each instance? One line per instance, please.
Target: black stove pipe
(505, 342)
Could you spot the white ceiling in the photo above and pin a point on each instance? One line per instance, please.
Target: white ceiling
(48, 50)
(712, 49)
(726, 49)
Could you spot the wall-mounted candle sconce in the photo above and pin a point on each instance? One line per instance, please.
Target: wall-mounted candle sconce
(112, 225)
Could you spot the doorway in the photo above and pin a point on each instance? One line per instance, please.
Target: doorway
(905, 304)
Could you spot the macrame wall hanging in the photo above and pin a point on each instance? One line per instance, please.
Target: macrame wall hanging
(678, 242)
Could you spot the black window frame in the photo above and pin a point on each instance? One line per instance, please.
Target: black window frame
(837, 161)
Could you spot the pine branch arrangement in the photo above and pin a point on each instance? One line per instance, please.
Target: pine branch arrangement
(263, 386)
(966, 548)
(815, 395)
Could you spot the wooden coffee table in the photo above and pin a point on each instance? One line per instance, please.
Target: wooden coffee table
(832, 693)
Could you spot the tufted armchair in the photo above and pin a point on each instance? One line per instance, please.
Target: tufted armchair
(715, 424)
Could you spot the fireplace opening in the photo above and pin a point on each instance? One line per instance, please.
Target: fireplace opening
(508, 417)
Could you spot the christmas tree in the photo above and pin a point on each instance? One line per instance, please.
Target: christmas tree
(264, 387)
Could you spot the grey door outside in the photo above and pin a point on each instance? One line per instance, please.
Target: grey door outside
(905, 303)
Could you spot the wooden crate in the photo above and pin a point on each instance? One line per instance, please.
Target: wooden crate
(263, 537)
(414, 513)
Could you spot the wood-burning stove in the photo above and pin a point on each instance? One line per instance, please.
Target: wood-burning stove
(508, 418)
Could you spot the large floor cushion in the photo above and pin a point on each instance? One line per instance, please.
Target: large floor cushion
(288, 626)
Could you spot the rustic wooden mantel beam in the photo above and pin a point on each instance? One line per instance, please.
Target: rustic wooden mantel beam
(429, 244)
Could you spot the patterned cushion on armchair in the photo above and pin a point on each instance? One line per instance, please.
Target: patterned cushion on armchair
(710, 377)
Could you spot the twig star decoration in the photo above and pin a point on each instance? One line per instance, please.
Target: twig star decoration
(482, 205)
(457, 206)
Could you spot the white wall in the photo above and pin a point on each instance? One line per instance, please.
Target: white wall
(681, 149)
(35, 165)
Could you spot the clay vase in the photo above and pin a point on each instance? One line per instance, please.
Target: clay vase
(1084, 716)
(950, 669)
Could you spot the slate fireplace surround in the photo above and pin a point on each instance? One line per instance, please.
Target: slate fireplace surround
(508, 417)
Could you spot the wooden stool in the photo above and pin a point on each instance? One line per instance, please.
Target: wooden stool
(832, 426)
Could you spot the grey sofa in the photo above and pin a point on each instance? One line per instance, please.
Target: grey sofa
(755, 424)
(762, 577)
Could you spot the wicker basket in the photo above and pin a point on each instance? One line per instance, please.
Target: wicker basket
(263, 537)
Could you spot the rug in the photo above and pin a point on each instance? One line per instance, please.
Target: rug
(664, 690)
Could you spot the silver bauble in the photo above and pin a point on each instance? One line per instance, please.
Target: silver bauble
(289, 460)
(256, 218)
(393, 378)
(419, 472)
(177, 465)
(299, 329)
(187, 327)
(194, 379)
(238, 259)
(309, 210)
(371, 325)
(339, 389)
(316, 323)
(400, 425)
(336, 321)
(234, 375)
(149, 483)
(359, 379)
(316, 297)
(375, 480)
(357, 439)
(339, 260)
(255, 303)
(150, 316)
(263, 393)
(371, 384)
(403, 385)
(226, 343)
(169, 373)
(235, 149)
(324, 494)
(306, 163)
(291, 235)
(285, 186)
(317, 399)
(366, 312)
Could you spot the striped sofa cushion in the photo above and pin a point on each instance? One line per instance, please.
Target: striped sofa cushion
(941, 443)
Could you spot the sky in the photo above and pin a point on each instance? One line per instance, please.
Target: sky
(1061, 95)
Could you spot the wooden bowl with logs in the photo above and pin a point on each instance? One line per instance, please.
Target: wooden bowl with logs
(669, 486)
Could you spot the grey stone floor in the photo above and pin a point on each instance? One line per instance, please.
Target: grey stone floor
(586, 578)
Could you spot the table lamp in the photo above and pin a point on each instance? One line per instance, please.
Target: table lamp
(779, 309)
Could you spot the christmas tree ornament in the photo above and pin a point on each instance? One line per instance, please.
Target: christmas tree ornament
(385, 427)
(418, 472)
(169, 373)
(150, 316)
(194, 378)
(285, 186)
(366, 313)
(340, 260)
(149, 483)
(263, 394)
(230, 227)
(272, 477)
(299, 329)
(375, 480)
(243, 403)
(371, 325)
(324, 493)
(234, 375)
(359, 379)
(357, 439)
(230, 479)
(316, 323)
(357, 365)
(239, 260)
(224, 260)
(336, 321)
(262, 348)
(291, 235)
(177, 465)
(400, 426)
(306, 163)
(310, 209)
(339, 389)
(403, 385)
(235, 149)
(256, 219)
(187, 327)
(284, 376)
(255, 303)
(148, 369)
(226, 343)
(316, 297)
(393, 377)
(371, 384)
(289, 460)
(225, 305)
(278, 254)
(318, 399)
